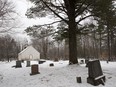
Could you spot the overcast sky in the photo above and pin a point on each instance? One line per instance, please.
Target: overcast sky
(21, 7)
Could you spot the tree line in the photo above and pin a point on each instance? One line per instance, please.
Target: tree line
(85, 28)
(9, 48)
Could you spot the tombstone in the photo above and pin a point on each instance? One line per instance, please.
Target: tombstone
(95, 73)
(82, 62)
(51, 64)
(28, 64)
(34, 69)
(18, 64)
(41, 61)
(86, 61)
(107, 61)
(78, 79)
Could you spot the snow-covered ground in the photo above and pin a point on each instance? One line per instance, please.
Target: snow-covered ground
(61, 75)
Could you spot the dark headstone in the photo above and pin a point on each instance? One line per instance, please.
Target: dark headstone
(34, 69)
(78, 79)
(41, 61)
(95, 73)
(51, 64)
(28, 64)
(82, 61)
(18, 64)
(86, 61)
(107, 61)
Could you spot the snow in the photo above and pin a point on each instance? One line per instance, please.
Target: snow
(60, 75)
(99, 77)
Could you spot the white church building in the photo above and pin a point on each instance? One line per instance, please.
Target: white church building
(29, 53)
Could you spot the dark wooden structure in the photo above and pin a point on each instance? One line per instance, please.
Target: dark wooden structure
(95, 73)
(34, 69)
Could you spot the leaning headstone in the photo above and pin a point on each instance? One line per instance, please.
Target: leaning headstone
(34, 69)
(95, 73)
(18, 64)
(28, 64)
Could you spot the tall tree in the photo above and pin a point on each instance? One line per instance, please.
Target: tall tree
(72, 12)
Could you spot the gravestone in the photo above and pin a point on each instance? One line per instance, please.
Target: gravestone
(86, 61)
(18, 64)
(95, 73)
(78, 79)
(41, 61)
(34, 69)
(82, 62)
(51, 64)
(28, 64)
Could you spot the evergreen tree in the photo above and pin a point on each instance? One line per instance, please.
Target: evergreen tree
(72, 12)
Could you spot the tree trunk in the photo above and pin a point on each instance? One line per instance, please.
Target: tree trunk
(72, 34)
(112, 44)
(100, 44)
(108, 39)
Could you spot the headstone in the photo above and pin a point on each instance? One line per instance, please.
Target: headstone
(34, 69)
(41, 61)
(51, 64)
(28, 64)
(82, 62)
(78, 79)
(86, 61)
(107, 61)
(95, 73)
(18, 64)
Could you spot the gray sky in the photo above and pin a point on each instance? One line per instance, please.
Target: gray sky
(21, 8)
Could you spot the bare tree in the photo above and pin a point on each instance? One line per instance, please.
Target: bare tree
(7, 14)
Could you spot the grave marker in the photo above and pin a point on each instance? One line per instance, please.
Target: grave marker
(86, 61)
(51, 64)
(18, 64)
(34, 69)
(95, 73)
(78, 79)
(28, 64)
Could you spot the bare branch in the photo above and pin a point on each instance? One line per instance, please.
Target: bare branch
(54, 12)
(84, 18)
(50, 23)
